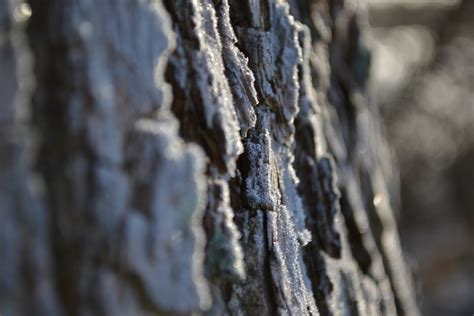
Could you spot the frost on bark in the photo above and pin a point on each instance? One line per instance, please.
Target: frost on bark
(179, 156)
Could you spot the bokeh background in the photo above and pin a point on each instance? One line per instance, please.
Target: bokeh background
(423, 80)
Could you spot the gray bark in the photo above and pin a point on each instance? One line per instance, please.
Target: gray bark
(194, 156)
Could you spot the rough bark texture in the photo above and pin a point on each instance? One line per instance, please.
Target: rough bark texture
(255, 182)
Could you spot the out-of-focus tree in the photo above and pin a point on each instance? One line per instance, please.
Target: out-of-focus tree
(428, 82)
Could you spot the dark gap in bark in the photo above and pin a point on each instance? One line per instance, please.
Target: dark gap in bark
(360, 253)
(321, 285)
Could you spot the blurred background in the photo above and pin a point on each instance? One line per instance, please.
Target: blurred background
(423, 80)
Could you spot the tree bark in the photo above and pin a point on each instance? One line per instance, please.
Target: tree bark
(214, 156)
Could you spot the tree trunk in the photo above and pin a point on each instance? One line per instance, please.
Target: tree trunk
(179, 156)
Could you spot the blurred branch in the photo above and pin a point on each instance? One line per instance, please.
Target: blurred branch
(426, 13)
